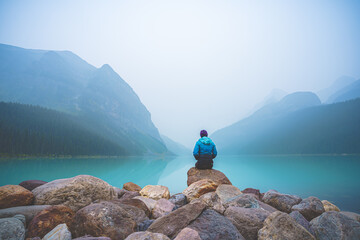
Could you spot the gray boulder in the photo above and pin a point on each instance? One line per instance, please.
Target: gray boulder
(352, 215)
(242, 200)
(178, 199)
(12, 228)
(31, 184)
(334, 225)
(28, 211)
(143, 226)
(280, 201)
(212, 225)
(247, 220)
(310, 208)
(147, 236)
(296, 215)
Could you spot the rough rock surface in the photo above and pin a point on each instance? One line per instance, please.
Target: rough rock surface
(92, 238)
(212, 201)
(212, 225)
(296, 215)
(48, 219)
(104, 219)
(136, 203)
(242, 200)
(334, 225)
(12, 228)
(195, 175)
(196, 189)
(328, 206)
(15, 195)
(131, 187)
(267, 207)
(310, 208)
(137, 214)
(352, 215)
(188, 234)
(60, 232)
(162, 208)
(279, 225)
(76, 192)
(280, 201)
(143, 226)
(171, 224)
(28, 211)
(155, 192)
(227, 191)
(150, 203)
(178, 199)
(256, 192)
(126, 195)
(247, 220)
(147, 236)
(31, 184)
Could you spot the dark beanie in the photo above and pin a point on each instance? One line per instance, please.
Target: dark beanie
(203, 133)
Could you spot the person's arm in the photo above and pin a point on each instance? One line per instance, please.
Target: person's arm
(196, 150)
(214, 154)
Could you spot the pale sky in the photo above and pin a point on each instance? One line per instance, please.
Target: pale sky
(197, 64)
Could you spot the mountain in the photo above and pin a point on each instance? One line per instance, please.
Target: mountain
(62, 81)
(274, 96)
(174, 147)
(285, 127)
(37, 131)
(338, 84)
(351, 91)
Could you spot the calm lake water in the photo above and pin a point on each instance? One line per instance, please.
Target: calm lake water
(335, 178)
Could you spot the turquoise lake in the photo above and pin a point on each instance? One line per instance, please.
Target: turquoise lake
(334, 178)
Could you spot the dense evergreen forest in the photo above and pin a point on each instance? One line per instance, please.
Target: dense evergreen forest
(33, 130)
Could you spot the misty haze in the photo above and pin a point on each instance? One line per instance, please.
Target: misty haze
(159, 109)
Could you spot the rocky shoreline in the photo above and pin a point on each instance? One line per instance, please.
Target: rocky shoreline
(87, 208)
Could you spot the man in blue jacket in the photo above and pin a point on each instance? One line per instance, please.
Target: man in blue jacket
(204, 151)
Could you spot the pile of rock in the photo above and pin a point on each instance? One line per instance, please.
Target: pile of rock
(87, 208)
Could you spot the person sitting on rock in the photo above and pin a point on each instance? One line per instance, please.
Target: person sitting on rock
(204, 151)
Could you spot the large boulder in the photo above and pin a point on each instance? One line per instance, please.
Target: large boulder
(227, 191)
(15, 195)
(12, 228)
(150, 203)
(155, 192)
(136, 203)
(212, 225)
(92, 238)
(48, 219)
(162, 208)
(28, 211)
(104, 219)
(256, 192)
(212, 201)
(171, 224)
(242, 200)
(196, 189)
(31, 184)
(130, 186)
(195, 175)
(352, 215)
(334, 225)
(178, 199)
(75, 192)
(60, 232)
(247, 220)
(279, 225)
(296, 215)
(280, 201)
(188, 234)
(267, 207)
(137, 214)
(328, 206)
(310, 208)
(125, 194)
(147, 236)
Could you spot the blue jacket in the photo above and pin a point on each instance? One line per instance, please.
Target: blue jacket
(204, 146)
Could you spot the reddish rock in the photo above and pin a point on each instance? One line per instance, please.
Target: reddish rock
(195, 175)
(129, 195)
(256, 192)
(136, 203)
(188, 234)
(48, 219)
(161, 208)
(131, 187)
(15, 195)
(137, 214)
(31, 184)
(103, 219)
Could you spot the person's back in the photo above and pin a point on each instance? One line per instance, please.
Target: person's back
(204, 151)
